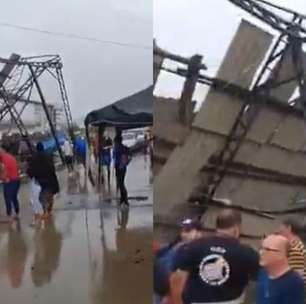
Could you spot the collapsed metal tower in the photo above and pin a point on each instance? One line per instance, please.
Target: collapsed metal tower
(288, 46)
(18, 79)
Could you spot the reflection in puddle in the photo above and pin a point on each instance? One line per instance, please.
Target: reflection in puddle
(93, 252)
(47, 243)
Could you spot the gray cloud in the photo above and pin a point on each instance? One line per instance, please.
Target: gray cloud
(200, 26)
(96, 74)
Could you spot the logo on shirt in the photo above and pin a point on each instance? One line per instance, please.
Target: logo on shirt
(214, 270)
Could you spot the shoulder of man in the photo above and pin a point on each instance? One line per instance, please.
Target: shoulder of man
(249, 252)
(250, 257)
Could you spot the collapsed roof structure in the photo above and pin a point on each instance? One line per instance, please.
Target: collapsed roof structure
(247, 143)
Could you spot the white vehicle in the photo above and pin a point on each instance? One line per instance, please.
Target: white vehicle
(129, 139)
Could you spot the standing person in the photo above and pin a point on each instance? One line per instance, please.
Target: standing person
(35, 166)
(191, 229)
(107, 145)
(11, 182)
(80, 149)
(68, 152)
(277, 283)
(122, 158)
(297, 253)
(217, 268)
(43, 170)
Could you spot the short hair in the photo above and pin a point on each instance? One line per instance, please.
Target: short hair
(40, 147)
(118, 139)
(293, 223)
(5, 146)
(228, 218)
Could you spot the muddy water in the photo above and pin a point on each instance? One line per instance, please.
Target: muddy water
(92, 252)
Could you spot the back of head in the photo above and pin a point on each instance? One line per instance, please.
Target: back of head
(4, 148)
(40, 147)
(292, 223)
(118, 139)
(227, 219)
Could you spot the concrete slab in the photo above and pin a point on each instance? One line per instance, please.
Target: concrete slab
(291, 134)
(286, 71)
(179, 176)
(239, 66)
(265, 125)
(252, 193)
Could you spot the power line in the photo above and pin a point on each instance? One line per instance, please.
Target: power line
(75, 36)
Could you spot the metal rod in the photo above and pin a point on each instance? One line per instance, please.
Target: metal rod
(53, 131)
(284, 9)
(174, 57)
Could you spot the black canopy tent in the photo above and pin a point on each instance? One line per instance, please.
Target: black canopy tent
(134, 111)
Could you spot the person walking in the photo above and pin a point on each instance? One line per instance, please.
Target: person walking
(107, 145)
(190, 230)
(11, 183)
(122, 158)
(216, 268)
(277, 283)
(68, 152)
(42, 169)
(33, 171)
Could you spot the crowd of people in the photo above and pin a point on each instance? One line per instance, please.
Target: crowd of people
(43, 183)
(201, 267)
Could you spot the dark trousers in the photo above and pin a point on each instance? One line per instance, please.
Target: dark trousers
(10, 191)
(47, 200)
(120, 176)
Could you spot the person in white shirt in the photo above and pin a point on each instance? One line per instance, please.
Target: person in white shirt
(68, 152)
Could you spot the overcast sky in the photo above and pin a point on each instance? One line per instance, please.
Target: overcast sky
(200, 26)
(96, 74)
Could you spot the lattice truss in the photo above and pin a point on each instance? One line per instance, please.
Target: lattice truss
(247, 142)
(21, 80)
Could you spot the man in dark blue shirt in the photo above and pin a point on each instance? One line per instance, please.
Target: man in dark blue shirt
(217, 267)
(277, 283)
(122, 158)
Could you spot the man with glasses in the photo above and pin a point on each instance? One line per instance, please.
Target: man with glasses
(277, 283)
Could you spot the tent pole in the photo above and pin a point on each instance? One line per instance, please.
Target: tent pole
(100, 173)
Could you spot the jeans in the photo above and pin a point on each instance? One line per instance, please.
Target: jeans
(47, 200)
(10, 191)
(120, 175)
(35, 192)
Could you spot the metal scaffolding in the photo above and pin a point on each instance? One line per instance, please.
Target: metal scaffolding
(19, 78)
(289, 43)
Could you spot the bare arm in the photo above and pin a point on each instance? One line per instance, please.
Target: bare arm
(177, 282)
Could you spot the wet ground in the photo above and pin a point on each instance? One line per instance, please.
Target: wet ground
(92, 252)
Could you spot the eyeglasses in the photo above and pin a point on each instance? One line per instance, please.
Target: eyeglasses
(263, 248)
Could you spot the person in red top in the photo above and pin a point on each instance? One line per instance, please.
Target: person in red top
(11, 182)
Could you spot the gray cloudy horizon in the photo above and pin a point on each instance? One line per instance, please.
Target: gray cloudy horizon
(203, 27)
(96, 74)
